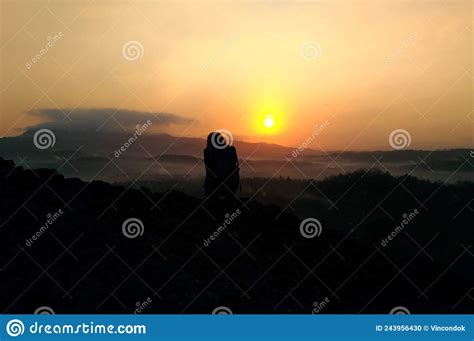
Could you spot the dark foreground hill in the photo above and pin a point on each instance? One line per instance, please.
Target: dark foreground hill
(70, 246)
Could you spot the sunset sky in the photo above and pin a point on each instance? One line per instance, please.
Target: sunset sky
(266, 71)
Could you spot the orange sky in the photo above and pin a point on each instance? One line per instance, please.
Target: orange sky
(379, 66)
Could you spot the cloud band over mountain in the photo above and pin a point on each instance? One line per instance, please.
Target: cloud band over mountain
(102, 119)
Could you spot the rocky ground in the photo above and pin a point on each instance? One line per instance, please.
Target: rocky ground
(64, 245)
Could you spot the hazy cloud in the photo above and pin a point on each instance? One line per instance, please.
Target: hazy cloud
(102, 119)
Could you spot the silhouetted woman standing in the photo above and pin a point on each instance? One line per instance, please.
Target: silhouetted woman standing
(222, 167)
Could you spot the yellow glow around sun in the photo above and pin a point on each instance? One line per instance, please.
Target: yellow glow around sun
(269, 121)
(268, 118)
(267, 114)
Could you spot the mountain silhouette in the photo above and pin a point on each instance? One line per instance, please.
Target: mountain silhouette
(66, 244)
(98, 155)
(106, 143)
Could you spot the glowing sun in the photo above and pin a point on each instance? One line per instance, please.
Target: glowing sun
(269, 121)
